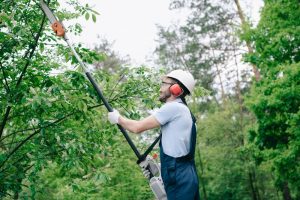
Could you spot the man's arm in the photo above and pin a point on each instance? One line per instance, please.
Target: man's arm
(138, 126)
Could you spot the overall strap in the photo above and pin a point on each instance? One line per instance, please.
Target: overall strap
(193, 137)
(190, 156)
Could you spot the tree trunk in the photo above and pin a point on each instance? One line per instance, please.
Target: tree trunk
(255, 183)
(16, 193)
(251, 182)
(239, 98)
(200, 177)
(223, 96)
(250, 49)
(286, 191)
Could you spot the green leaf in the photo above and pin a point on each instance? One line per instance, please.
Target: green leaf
(94, 17)
(87, 16)
(42, 47)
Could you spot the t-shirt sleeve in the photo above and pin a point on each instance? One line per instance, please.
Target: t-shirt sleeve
(166, 113)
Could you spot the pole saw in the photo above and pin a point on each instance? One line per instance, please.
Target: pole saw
(144, 160)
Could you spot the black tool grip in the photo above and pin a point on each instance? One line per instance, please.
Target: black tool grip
(110, 109)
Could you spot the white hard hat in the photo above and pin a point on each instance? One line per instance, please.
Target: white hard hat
(185, 77)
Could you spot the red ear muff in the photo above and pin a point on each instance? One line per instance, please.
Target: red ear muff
(176, 90)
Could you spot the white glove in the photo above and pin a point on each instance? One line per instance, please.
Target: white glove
(146, 172)
(152, 166)
(144, 164)
(113, 117)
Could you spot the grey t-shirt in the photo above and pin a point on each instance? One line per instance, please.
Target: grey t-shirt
(176, 125)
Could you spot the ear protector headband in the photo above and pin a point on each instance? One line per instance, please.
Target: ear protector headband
(176, 90)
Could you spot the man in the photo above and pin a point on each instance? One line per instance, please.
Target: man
(177, 145)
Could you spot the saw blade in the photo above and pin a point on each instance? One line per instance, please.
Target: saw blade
(48, 12)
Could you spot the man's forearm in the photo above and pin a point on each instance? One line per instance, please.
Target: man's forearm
(135, 126)
(130, 125)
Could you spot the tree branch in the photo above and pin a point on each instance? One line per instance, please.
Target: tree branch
(5, 80)
(46, 126)
(29, 137)
(70, 114)
(8, 108)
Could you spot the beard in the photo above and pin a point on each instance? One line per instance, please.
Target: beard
(164, 96)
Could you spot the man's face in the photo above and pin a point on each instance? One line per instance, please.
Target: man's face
(164, 92)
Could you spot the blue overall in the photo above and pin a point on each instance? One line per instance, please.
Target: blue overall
(179, 174)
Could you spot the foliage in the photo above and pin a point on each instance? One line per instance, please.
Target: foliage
(203, 44)
(115, 176)
(228, 170)
(275, 99)
(207, 44)
(49, 119)
(55, 142)
(276, 106)
(35, 105)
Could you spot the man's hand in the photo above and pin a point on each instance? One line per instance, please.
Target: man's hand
(144, 164)
(150, 164)
(113, 117)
